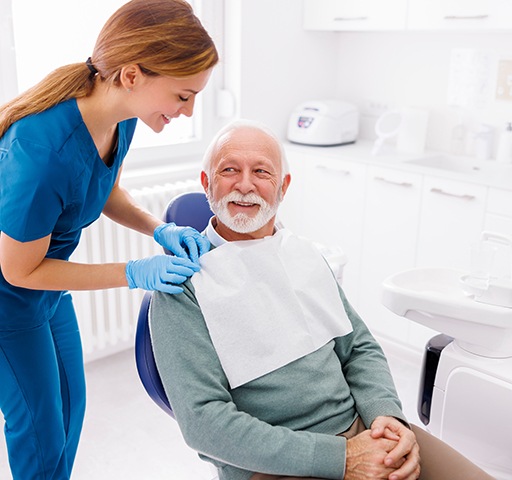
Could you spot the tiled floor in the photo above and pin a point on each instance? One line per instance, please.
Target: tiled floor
(126, 436)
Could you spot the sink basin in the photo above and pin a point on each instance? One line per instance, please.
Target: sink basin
(434, 297)
(452, 164)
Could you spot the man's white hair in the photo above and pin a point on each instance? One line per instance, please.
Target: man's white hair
(236, 125)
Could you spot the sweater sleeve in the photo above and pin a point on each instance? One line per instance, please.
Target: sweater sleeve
(367, 372)
(210, 422)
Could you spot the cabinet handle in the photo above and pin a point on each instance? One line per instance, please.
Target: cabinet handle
(393, 182)
(466, 17)
(331, 169)
(463, 196)
(349, 19)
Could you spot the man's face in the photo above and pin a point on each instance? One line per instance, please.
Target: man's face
(245, 185)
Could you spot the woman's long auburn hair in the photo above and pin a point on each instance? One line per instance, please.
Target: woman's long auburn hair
(163, 37)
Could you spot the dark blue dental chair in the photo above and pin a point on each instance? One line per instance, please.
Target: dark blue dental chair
(188, 209)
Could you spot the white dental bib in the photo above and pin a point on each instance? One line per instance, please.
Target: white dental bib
(267, 303)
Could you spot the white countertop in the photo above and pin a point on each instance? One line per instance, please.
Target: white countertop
(466, 169)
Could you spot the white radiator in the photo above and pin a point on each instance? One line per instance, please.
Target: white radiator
(108, 318)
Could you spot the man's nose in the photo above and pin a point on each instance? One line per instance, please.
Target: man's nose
(245, 184)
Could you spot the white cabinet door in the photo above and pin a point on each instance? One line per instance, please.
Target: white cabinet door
(498, 218)
(459, 14)
(389, 244)
(333, 209)
(325, 202)
(351, 15)
(452, 217)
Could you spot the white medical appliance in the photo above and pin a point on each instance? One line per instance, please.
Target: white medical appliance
(324, 123)
(465, 393)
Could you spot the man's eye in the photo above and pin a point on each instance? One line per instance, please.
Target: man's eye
(226, 170)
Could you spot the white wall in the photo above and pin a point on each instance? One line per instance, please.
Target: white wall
(280, 65)
(8, 78)
(412, 69)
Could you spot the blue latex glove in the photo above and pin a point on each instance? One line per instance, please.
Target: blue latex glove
(159, 273)
(184, 242)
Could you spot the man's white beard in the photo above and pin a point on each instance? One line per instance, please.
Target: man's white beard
(241, 222)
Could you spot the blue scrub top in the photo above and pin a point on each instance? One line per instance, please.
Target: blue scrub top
(52, 181)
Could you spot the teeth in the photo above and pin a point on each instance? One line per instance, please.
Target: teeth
(243, 204)
(168, 117)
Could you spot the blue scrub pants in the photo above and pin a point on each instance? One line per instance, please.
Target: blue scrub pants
(42, 395)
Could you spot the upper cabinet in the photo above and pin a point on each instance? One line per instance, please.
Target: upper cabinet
(375, 15)
(459, 14)
(352, 15)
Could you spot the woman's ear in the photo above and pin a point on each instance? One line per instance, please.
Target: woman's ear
(130, 76)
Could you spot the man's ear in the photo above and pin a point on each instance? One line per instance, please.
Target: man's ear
(286, 183)
(204, 181)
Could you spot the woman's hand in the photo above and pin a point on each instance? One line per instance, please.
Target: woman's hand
(161, 272)
(184, 242)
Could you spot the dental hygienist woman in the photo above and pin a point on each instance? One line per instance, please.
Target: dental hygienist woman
(62, 144)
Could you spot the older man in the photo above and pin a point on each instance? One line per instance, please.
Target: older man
(270, 372)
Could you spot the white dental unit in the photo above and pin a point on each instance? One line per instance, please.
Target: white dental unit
(324, 123)
(466, 390)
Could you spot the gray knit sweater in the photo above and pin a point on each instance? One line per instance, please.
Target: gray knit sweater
(284, 423)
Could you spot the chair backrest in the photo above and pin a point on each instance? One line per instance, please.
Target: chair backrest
(145, 360)
(192, 209)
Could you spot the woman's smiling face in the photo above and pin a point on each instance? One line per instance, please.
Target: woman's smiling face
(156, 100)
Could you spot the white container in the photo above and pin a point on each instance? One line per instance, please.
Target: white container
(505, 147)
(324, 123)
(413, 131)
(483, 141)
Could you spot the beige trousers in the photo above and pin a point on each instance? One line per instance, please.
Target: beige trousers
(439, 461)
